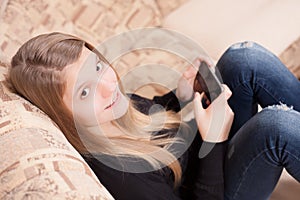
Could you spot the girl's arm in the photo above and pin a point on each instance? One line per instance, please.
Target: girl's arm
(214, 124)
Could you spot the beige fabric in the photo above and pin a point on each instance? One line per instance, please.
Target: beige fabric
(215, 25)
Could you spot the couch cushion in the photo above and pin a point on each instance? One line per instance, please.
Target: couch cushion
(217, 24)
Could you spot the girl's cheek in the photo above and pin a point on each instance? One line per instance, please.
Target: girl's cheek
(84, 112)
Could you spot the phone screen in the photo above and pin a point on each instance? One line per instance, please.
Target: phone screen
(206, 81)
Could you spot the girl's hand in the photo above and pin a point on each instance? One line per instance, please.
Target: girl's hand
(185, 84)
(214, 123)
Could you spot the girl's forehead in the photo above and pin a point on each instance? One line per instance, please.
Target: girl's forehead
(86, 58)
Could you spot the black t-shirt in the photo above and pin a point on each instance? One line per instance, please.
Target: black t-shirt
(201, 178)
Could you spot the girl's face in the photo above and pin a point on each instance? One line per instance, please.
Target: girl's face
(92, 92)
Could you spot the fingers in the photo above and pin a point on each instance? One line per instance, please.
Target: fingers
(193, 69)
(227, 92)
(196, 63)
(198, 103)
(221, 99)
(206, 59)
(225, 95)
(190, 72)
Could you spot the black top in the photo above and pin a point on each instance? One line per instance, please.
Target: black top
(201, 178)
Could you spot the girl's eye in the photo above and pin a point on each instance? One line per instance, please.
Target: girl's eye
(98, 67)
(85, 92)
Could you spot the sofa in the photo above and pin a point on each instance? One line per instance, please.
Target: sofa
(37, 161)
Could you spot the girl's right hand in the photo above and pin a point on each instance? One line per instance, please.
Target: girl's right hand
(214, 122)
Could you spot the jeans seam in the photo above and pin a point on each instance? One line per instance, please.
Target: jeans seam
(269, 93)
(253, 160)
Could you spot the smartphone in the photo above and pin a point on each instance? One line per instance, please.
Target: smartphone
(207, 81)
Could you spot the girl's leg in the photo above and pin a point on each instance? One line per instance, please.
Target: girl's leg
(256, 76)
(258, 152)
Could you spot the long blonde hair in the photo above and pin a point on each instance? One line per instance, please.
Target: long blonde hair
(36, 74)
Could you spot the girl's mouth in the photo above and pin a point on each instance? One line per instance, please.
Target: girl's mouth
(114, 100)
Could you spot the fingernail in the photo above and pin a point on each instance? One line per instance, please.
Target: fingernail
(196, 62)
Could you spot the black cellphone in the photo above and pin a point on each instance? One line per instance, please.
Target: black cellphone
(206, 81)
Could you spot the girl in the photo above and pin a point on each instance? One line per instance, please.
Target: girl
(74, 84)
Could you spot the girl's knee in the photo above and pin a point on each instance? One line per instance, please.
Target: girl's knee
(249, 46)
(234, 57)
(273, 127)
(242, 45)
(234, 61)
(246, 58)
(245, 50)
(280, 120)
(240, 51)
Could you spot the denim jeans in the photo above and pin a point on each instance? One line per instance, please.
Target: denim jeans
(261, 144)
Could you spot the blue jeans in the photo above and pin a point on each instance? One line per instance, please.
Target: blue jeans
(261, 144)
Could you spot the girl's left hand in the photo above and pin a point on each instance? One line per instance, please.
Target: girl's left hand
(185, 84)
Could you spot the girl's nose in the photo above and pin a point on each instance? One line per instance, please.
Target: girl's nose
(107, 83)
(106, 88)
